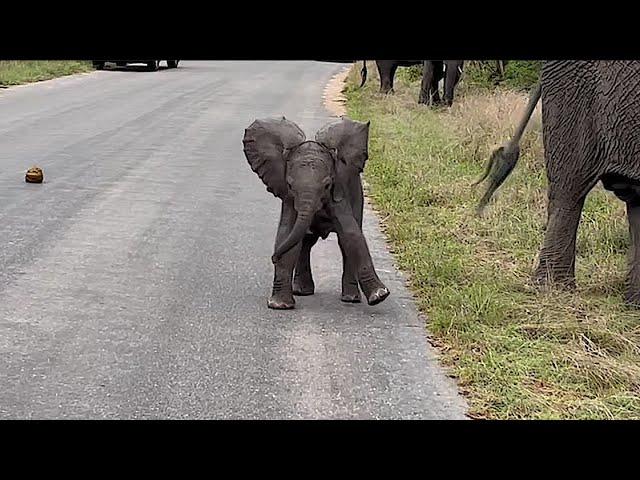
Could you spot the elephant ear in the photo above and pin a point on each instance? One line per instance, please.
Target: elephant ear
(265, 144)
(349, 138)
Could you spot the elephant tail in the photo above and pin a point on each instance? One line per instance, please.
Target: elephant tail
(504, 159)
(363, 73)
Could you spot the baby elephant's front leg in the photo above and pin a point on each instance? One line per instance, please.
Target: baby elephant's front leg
(282, 292)
(350, 288)
(303, 279)
(356, 250)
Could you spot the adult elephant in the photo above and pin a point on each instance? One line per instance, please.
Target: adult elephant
(590, 120)
(433, 71)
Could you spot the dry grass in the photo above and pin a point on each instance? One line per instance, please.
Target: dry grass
(518, 352)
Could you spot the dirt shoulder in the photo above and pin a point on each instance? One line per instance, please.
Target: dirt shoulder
(334, 99)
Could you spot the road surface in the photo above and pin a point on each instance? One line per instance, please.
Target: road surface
(134, 281)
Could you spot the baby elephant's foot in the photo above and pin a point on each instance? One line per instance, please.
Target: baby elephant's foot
(378, 295)
(281, 302)
(350, 295)
(303, 286)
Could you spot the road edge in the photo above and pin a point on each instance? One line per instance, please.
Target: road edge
(332, 97)
(334, 101)
(11, 88)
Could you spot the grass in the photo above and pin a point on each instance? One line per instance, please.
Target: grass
(519, 75)
(517, 352)
(14, 72)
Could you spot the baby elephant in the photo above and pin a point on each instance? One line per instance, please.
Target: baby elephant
(321, 192)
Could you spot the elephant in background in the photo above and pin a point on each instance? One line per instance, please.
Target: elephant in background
(320, 188)
(590, 120)
(432, 72)
(387, 72)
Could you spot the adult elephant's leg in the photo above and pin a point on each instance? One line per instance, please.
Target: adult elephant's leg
(452, 77)
(632, 293)
(387, 71)
(426, 85)
(556, 263)
(303, 279)
(573, 163)
(431, 76)
(357, 254)
(282, 292)
(438, 74)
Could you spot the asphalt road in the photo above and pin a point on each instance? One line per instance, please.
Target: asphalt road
(134, 281)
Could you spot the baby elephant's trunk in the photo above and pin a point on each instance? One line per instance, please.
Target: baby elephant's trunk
(300, 228)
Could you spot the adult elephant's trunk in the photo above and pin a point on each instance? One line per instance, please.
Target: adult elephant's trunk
(300, 228)
(363, 73)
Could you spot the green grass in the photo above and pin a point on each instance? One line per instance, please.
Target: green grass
(20, 72)
(517, 352)
(518, 75)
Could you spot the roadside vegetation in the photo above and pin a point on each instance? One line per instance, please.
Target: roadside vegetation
(17, 72)
(517, 352)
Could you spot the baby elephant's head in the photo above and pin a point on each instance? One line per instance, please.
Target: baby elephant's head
(310, 173)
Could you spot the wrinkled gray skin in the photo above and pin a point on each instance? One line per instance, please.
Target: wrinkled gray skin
(321, 191)
(432, 72)
(591, 120)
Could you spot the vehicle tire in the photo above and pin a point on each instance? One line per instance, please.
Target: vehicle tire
(152, 66)
(172, 63)
(98, 65)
